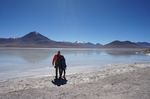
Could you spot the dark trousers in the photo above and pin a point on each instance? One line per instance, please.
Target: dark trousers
(64, 70)
(56, 68)
(60, 72)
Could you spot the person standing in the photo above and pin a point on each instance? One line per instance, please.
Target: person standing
(60, 65)
(63, 67)
(57, 63)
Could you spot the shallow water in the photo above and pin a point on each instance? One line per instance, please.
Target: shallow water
(28, 59)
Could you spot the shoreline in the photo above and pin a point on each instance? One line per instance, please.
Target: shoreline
(50, 71)
(47, 71)
(126, 75)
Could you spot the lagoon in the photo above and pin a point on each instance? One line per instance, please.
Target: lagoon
(16, 62)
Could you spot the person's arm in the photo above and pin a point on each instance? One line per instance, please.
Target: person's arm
(54, 59)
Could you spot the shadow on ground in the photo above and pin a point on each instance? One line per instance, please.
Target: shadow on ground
(59, 82)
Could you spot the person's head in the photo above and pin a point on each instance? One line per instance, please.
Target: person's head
(58, 52)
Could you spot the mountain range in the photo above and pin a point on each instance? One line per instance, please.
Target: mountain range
(127, 44)
(37, 40)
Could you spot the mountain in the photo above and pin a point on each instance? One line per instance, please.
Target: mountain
(35, 39)
(122, 44)
(32, 39)
(143, 44)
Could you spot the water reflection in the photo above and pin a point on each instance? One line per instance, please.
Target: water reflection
(29, 55)
(111, 52)
(26, 59)
(34, 56)
(82, 56)
(120, 52)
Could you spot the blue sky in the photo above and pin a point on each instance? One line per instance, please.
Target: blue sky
(97, 21)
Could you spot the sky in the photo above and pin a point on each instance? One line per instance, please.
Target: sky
(96, 21)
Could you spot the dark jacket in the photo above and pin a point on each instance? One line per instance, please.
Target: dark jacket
(63, 63)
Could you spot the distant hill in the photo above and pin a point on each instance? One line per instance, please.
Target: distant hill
(35, 39)
(122, 44)
(143, 44)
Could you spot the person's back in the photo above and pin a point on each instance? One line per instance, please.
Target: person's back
(63, 66)
(63, 62)
(58, 60)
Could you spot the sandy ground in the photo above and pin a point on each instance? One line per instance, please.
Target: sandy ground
(122, 81)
